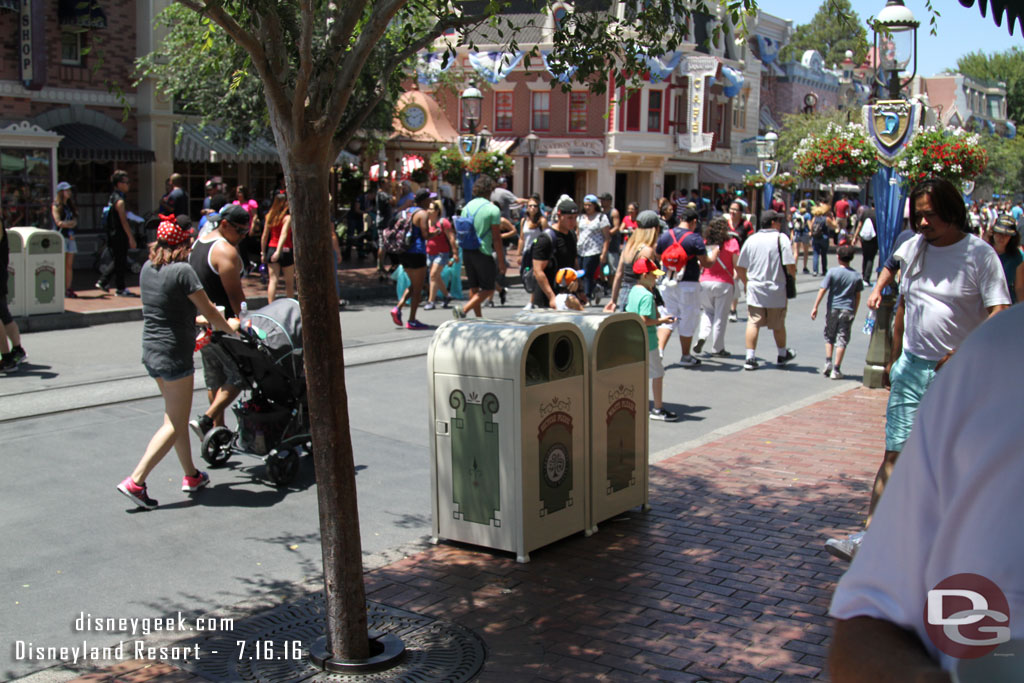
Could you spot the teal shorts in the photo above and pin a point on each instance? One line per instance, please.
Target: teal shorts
(910, 377)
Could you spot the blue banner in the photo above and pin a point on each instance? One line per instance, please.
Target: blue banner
(890, 197)
(769, 190)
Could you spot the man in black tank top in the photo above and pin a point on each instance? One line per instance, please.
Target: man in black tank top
(216, 260)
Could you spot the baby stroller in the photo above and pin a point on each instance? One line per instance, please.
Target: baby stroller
(272, 414)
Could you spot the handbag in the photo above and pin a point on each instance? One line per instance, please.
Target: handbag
(790, 279)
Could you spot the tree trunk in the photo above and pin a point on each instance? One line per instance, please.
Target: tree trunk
(306, 167)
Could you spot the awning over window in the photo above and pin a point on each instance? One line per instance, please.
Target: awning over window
(83, 142)
(208, 144)
(11, 5)
(501, 144)
(723, 174)
(81, 13)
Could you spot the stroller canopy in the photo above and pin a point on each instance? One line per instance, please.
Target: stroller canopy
(278, 324)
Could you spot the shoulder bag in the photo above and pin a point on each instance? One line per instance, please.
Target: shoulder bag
(790, 279)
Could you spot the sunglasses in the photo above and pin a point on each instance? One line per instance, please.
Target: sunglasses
(241, 229)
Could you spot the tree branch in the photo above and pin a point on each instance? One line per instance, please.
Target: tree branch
(305, 65)
(341, 30)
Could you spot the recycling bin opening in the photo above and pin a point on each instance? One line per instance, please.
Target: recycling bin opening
(563, 354)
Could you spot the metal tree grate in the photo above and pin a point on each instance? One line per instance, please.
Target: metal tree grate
(434, 650)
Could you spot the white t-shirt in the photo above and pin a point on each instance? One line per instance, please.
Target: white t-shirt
(953, 504)
(766, 284)
(946, 291)
(591, 231)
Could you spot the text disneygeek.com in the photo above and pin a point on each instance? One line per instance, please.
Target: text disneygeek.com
(124, 649)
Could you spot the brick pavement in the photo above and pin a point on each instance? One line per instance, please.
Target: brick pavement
(723, 580)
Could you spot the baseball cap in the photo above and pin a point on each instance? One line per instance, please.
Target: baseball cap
(233, 213)
(591, 198)
(644, 265)
(64, 186)
(422, 194)
(566, 275)
(1005, 225)
(568, 207)
(184, 222)
(606, 195)
(648, 219)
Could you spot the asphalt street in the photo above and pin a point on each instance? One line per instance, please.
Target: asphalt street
(76, 419)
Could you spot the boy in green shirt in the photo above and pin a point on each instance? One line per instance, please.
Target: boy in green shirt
(641, 302)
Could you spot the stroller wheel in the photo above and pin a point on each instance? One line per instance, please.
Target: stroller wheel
(282, 466)
(216, 448)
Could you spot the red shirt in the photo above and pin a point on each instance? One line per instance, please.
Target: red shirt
(438, 242)
(842, 209)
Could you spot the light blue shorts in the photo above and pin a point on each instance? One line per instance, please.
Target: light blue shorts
(70, 246)
(910, 377)
(441, 259)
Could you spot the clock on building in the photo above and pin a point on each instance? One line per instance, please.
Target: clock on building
(413, 117)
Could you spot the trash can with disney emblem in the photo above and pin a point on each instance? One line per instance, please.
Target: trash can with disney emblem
(508, 423)
(617, 369)
(43, 274)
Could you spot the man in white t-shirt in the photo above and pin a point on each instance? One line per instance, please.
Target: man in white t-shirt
(953, 510)
(760, 266)
(950, 283)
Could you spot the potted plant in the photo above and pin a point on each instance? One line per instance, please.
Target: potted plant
(754, 180)
(448, 164)
(954, 155)
(841, 152)
(494, 164)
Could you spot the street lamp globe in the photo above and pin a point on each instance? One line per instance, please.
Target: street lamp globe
(895, 44)
(472, 99)
(770, 139)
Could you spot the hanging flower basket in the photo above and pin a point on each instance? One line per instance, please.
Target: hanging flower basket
(842, 152)
(754, 180)
(954, 155)
(494, 164)
(448, 164)
(787, 182)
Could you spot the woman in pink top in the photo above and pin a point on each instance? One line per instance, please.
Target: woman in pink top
(716, 287)
(442, 249)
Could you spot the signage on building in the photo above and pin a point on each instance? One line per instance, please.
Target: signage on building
(32, 45)
(697, 70)
(570, 147)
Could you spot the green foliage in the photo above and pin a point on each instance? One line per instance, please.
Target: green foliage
(954, 155)
(1007, 67)
(494, 164)
(833, 30)
(1005, 171)
(796, 127)
(842, 152)
(449, 164)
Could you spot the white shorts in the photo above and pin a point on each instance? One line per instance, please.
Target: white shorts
(682, 300)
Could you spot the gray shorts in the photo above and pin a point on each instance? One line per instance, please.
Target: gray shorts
(218, 369)
(838, 322)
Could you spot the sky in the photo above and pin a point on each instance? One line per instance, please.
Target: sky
(960, 29)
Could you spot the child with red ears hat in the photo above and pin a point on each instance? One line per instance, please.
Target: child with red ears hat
(641, 302)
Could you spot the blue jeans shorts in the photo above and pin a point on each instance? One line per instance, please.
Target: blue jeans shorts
(441, 259)
(169, 375)
(910, 378)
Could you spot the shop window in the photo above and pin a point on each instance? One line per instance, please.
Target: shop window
(541, 114)
(503, 111)
(71, 43)
(577, 112)
(654, 111)
(25, 187)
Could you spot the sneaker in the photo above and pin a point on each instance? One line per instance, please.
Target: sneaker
(429, 306)
(844, 548)
(18, 355)
(689, 362)
(733, 317)
(458, 313)
(138, 494)
(490, 303)
(501, 297)
(195, 483)
(7, 363)
(416, 325)
(102, 286)
(750, 364)
(127, 293)
(396, 315)
(806, 272)
(663, 415)
(447, 302)
(201, 425)
(721, 354)
(782, 360)
(70, 294)
(699, 346)
(827, 369)
(836, 374)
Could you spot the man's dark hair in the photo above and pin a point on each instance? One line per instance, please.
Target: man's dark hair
(946, 201)
(484, 186)
(769, 217)
(217, 202)
(118, 176)
(845, 253)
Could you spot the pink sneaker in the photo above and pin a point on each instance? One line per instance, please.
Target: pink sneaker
(195, 483)
(138, 494)
(396, 316)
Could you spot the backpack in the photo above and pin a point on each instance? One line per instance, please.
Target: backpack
(819, 227)
(675, 257)
(107, 216)
(526, 265)
(465, 231)
(398, 237)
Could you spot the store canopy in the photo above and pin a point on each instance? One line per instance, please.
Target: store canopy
(81, 13)
(723, 174)
(11, 5)
(83, 142)
(208, 144)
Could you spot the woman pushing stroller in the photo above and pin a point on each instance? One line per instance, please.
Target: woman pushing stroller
(171, 294)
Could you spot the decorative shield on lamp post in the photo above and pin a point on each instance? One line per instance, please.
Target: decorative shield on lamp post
(768, 168)
(891, 125)
(968, 187)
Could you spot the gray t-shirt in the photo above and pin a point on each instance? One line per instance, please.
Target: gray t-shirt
(842, 284)
(168, 317)
(504, 199)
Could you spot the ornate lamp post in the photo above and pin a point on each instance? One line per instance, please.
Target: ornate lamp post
(531, 148)
(891, 124)
(472, 99)
(768, 168)
(897, 28)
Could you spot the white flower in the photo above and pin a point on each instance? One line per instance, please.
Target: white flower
(819, 168)
(856, 152)
(902, 164)
(957, 168)
(937, 166)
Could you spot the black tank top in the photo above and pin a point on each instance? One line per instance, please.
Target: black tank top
(199, 259)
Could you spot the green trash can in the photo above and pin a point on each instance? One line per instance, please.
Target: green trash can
(44, 270)
(618, 374)
(16, 273)
(508, 418)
